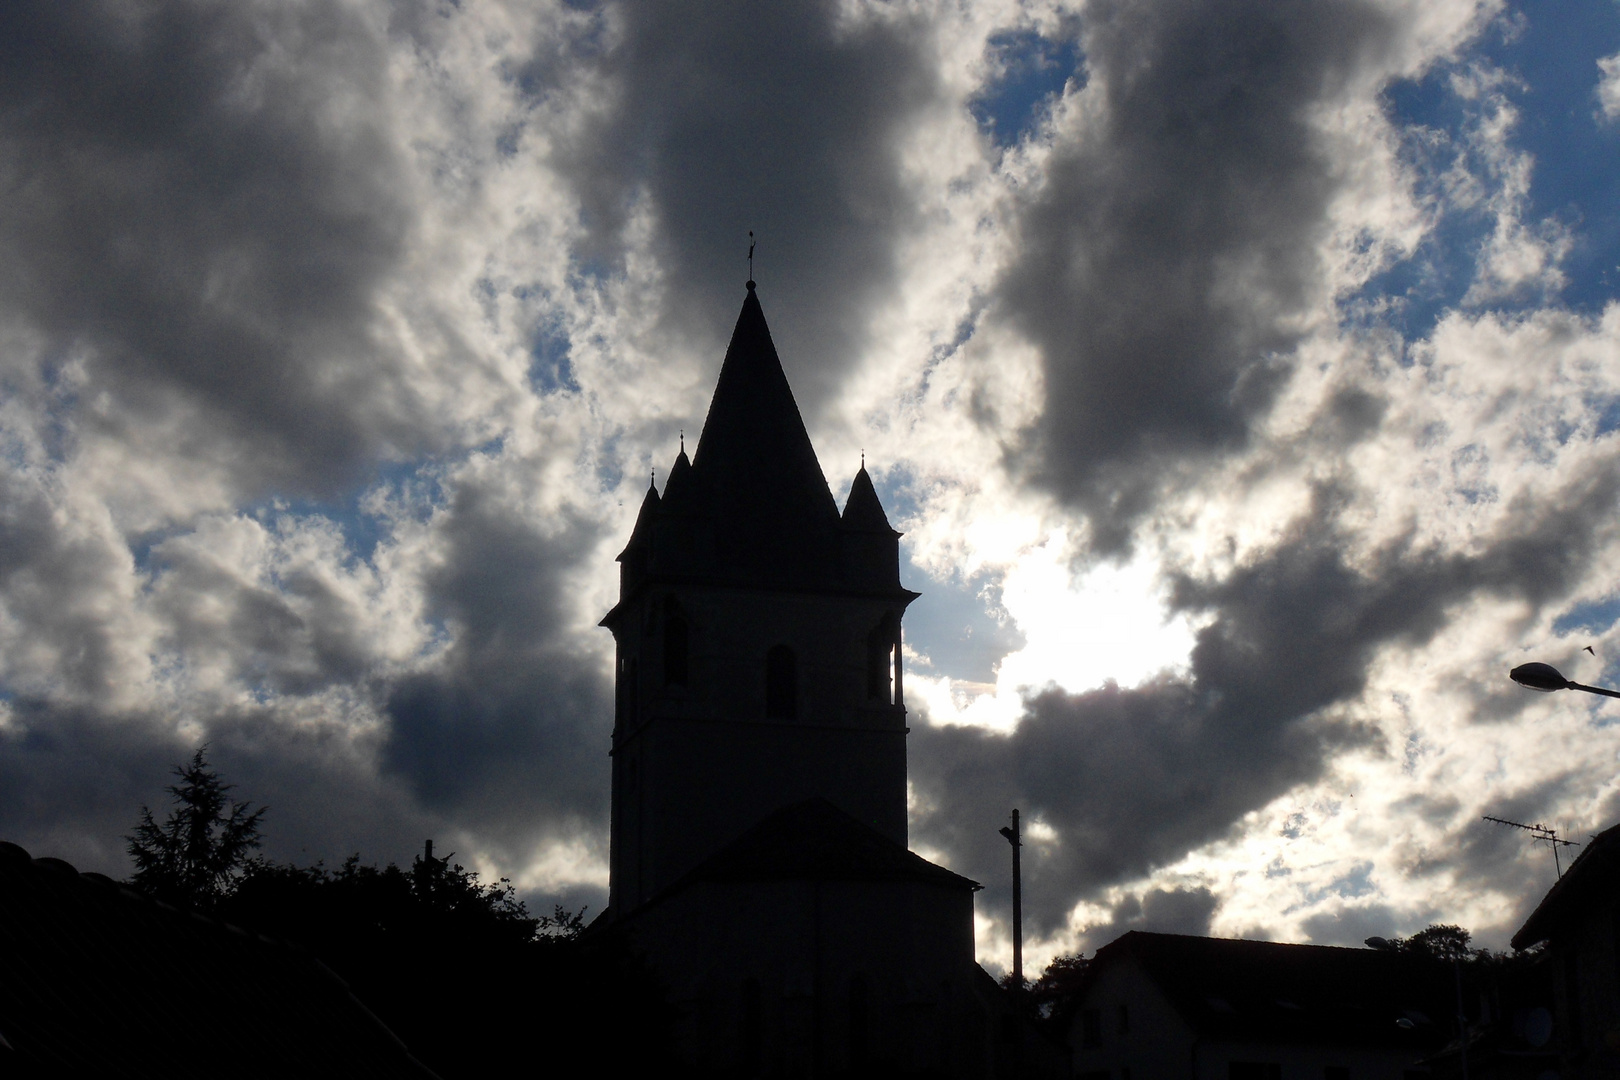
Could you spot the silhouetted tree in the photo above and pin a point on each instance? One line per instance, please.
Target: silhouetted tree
(1058, 985)
(191, 859)
(1439, 941)
(459, 969)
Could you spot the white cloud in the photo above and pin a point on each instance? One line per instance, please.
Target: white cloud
(1608, 87)
(327, 461)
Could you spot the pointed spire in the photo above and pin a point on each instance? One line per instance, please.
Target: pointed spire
(644, 522)
(773, 512)
(863, 510)
(678, 486)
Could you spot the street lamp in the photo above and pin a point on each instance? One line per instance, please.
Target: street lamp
(1016, 840)
(1546, 679)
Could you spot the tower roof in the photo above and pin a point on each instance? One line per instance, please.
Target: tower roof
(862, 510)
(752, 507)
(771, 506)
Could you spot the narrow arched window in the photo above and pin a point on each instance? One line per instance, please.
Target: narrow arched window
(676, 645)
(880, 649)
(781, 684)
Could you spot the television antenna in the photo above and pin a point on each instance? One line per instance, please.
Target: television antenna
(1540, 832)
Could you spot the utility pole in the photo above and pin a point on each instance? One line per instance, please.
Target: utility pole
(1012, 836)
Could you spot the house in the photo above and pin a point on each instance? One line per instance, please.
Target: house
(1161, 1006)
(759, 857)
(99, 980)
(1579, 921)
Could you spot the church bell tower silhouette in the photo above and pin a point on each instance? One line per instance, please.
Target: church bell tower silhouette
(759, 862)
(758, 639)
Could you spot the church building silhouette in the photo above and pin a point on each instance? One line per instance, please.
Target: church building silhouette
(759, 841)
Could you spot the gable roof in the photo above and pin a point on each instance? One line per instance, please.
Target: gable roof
(815, 840)
(1228, 989)
(96, 979)
(1594, 874)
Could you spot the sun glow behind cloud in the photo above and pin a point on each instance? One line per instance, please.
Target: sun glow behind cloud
(1108, 624)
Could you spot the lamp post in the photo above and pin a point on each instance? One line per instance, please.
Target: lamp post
(1014, 838)
(1545, 678)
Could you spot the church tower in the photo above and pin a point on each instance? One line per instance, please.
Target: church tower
(758, 639)
(760, 863)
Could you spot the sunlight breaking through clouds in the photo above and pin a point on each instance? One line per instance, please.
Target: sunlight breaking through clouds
(1245, 375)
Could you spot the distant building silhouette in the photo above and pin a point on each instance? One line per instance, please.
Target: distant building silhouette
(759, 847)
(1579, 920)
(1163, 1006)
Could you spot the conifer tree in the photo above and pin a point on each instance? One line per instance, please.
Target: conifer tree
(191, 859)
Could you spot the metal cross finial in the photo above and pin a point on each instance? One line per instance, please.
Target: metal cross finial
(683, 440)
(750, 254)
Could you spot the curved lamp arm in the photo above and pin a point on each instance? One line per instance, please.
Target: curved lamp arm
(1546, 678)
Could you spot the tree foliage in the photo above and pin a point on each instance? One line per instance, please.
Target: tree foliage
(459, 969)
(1440, 941)
(193, 857)
(456, 967)
(1058, 985)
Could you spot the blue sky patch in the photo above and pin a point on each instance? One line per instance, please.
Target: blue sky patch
(1593, 617)
(1549, 53)
(1032, 72)
(551, 367)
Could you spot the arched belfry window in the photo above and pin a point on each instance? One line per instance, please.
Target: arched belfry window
(677, 645)
(882, 659)
(781, 684)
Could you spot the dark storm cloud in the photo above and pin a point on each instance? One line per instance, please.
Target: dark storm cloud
(1159, 911)
(511, 730)
(1134, 779)
(188, 197)
(1176, 235)
(208, 204)
(72, 784)
(53, 578)
(732, 116)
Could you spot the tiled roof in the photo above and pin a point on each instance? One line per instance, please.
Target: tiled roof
(1593, 874)
(1233, 990)
(96, 979)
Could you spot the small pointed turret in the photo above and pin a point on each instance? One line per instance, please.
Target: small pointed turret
(871, 547)
(863, 511)
(634, 559)
(677, 489)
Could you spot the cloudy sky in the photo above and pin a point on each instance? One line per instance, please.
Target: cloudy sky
(1244, 373)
